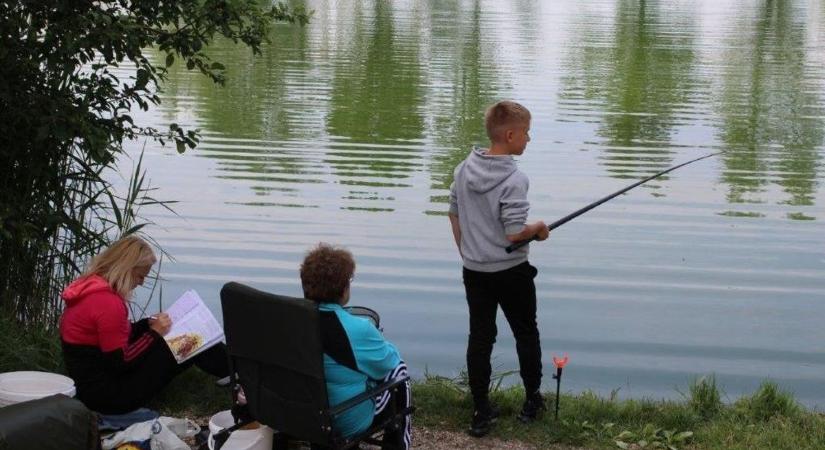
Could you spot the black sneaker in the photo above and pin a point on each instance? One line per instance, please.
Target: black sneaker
(483, 420)
(533, 405)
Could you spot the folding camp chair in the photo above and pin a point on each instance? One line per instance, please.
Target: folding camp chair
(275, 350)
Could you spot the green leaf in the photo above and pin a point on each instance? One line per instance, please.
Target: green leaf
(217, 66)
(683, 436)
(190, 64)
(134, 229)
(626, 435)
(621, 444)
(141, 79)
(170, 59)
(116, 210)
(181, 146)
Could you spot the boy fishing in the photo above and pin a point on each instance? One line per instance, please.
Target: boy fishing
(488, 212)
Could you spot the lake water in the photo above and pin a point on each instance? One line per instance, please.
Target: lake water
(347, 131)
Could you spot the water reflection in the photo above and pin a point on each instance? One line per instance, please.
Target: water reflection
(376, 91)
(771, 110)
(468, 80)
(632, 72)
(373, 92)
(376, 98)
(349, 129)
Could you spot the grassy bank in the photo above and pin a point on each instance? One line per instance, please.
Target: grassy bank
(769, 419)
(29, 349)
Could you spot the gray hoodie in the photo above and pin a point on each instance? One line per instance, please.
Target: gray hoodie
(489, 196)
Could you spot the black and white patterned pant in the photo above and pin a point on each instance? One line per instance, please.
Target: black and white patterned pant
(399, 439)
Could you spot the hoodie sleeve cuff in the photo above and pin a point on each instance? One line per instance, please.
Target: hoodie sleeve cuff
(515, 228)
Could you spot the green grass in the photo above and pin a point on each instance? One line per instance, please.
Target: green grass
(705, 399)
(769, 419)
(29, 348)
(192, 394)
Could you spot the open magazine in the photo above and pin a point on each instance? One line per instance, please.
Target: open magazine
(194, 328)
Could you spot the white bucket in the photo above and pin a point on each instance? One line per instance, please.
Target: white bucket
(16, 387)
(256, 439)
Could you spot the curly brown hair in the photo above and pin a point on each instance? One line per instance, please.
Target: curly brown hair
(326, 273)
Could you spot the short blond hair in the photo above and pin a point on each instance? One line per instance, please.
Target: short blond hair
(116, 264)
(502, 115)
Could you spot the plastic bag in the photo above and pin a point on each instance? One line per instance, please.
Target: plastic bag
(163, 433)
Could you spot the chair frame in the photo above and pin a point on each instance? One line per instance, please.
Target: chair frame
(334, 439)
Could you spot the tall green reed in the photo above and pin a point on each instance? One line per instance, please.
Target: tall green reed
(94, 214)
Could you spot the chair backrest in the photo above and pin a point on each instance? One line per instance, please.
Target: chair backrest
(274, 344)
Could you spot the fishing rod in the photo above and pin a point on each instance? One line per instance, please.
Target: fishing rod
(581, 211)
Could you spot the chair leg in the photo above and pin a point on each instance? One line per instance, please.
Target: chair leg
(319, 447)
(280, 441)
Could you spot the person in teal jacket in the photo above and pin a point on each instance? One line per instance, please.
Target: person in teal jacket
(356, 354)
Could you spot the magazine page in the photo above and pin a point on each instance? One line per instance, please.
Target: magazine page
(194, 328)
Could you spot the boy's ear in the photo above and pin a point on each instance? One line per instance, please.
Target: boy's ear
(508, 135)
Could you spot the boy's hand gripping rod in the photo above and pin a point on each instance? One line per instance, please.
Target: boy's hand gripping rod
(581, 211)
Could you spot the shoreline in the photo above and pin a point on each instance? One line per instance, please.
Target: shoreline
(769, 419)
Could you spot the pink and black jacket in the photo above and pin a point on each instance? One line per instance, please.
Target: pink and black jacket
(100, 345)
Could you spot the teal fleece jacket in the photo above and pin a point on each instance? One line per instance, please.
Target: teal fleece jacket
(375, 358)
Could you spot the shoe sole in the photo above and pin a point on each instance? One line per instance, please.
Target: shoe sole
(527, 419)
(483, 432)
(480, 433)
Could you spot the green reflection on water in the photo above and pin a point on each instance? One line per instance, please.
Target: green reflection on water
(376, 91)
(473, 81)
(637, 75)
(372, 93)
(769, 110)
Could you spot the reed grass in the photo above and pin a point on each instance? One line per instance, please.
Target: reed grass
(92, 214)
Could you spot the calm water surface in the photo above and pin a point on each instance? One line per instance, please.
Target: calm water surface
(347, 131)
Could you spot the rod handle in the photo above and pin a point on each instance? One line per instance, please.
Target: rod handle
(517, 245)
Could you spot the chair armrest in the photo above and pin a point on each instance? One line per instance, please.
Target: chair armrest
(372, 393)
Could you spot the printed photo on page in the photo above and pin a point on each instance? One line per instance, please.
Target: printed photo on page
(194, 328)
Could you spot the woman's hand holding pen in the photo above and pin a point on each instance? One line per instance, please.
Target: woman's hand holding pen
(160, 323)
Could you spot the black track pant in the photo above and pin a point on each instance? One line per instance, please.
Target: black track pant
(134, 389)
(514, 290)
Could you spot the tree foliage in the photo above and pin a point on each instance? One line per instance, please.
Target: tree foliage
(65, 113)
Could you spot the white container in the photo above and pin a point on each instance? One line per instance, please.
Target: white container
(16, 387)
(256, 439)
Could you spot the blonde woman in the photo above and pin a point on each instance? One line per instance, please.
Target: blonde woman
(119, 366)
